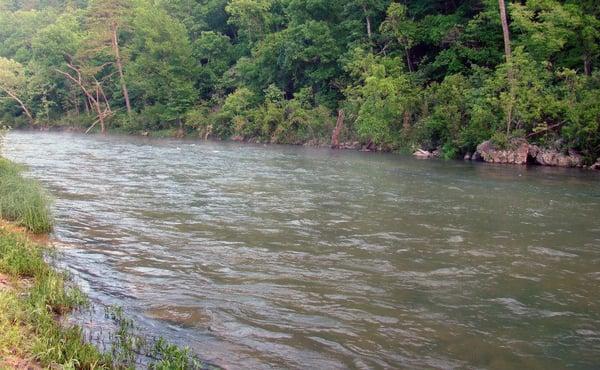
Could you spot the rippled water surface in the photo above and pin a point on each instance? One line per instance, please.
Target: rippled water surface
(285, 257)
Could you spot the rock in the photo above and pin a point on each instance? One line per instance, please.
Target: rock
(370, 147)
(237, 138)
(350, 145)
(521, 152)
(436, 153)
(424, 154)
(516, 154)
(551, 157)
(467, 157)
(596, 166)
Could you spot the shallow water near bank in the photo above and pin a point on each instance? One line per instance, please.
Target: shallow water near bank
(288, 257)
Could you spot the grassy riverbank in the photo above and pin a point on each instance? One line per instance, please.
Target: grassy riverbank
(34, 296)
(22, 200)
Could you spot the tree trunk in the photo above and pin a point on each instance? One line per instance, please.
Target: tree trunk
(335, 137)
(508, 55)
(368, 19)
(180, 131)
(587, 65)
(406, 121)
(21, 104)
(94, 101)
(119, 63)
(408, 60)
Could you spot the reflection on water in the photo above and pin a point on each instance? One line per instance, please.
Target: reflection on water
(271, 257)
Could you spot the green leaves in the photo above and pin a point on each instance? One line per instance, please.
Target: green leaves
(162, 69)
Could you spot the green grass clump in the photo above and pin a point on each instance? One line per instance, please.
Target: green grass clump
(28, 316)
(22, 200)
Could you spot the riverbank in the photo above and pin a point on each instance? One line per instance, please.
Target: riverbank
(34, 297)
(517, 152)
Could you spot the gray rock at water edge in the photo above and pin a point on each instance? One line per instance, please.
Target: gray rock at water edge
(424, 154)
(521, 152)
(468, 157)
(517, 154)
(351, 145)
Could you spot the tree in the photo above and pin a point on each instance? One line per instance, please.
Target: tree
(508, 55)
(162, 68)
(60, 46)
(252, 18)
(106, 19)
(399, 26)
(12, 83)
(383, 100)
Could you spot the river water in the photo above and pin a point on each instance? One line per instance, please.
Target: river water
(286, 257)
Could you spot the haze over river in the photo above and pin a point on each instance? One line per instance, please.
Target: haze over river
(288, 257)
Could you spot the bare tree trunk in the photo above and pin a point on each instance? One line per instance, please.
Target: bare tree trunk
(335, 137)
(508, 54)
(99, 110)
(587, 65)
(406, 121)
(409, 60)
(119, 63)
(368, 19)
(21, 104)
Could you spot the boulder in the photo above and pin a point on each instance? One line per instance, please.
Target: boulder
(521, 152)
(517, 153)
(424, 154)
(351, 145)
(467, 157)
(551, 157)
(596, 166)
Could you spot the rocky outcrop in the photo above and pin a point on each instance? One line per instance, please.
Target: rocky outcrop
(516, 154)
(423, 154)
(596, 166)
(547, 157)
(521, 152)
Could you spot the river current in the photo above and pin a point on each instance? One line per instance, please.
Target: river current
(270, 257)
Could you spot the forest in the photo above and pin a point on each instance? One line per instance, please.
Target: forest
(395, 76)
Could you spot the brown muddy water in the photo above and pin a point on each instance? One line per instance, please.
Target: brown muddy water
(267, 257)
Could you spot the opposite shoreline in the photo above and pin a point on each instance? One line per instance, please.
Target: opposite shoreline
(517, 152)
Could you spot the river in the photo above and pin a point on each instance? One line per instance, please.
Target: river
(267, 257)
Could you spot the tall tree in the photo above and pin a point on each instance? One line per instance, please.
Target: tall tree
(12, 83)
(399, 26)
(106, 19)
(508, 55)
(162, 67)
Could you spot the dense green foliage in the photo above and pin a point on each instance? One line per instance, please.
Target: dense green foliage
(416, 73)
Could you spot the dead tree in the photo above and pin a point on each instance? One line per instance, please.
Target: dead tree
(94, 94)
